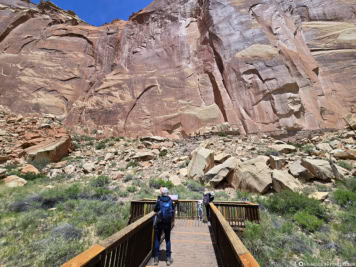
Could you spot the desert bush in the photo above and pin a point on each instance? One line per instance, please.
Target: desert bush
(350, 183)
(272, 152)
(100, 181)
(131, 189)
(344, 197)
(243, 196)
(67, 231)
(308, 221)
(100, 145)
(308, 149)
(194, 186)
(40, 164)
(132, 164)
(128, 177)
(163, 153)
(288, 202)
(30, 176)
(344, 165)
(159, 182)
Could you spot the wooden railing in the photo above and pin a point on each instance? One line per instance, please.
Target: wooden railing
(132, 246)
(233, 253)
(236, 213)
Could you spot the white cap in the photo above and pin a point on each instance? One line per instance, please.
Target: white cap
(212, 193)
(164, 191)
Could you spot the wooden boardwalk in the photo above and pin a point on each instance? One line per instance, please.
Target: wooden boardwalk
(192, 246)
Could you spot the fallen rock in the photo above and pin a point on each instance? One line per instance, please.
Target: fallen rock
(324, 147)
(221, 157)
(143, 156)
(183, 172)
(253, 176)
(88, 167)
(153, 139)
(69, 169)
(14, 181)
(52, 150)
(351, 121)
(4, 158)
(3, 173)
(109, 156)
(175, 179)
(202, 161)
(319, 195)
(60, 165)
(283, 148)
(297, 170)
(321, 169)
(29, 169)
(218, 174)
(347, 154)
(277, 162)
(335, 144)
(282, 180)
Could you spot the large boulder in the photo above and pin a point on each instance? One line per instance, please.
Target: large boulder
(324, 147)
(51, 150)
(218, 174)
(282, 180)
(351, 121)
(253, 176)
(2, 173)
(28, 168)
(14, 181)
(143, 156)
(302, 173)
(202, 161)
(345, 154)
(321, 169)
(277, 162)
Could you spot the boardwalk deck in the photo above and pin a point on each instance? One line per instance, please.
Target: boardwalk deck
(192, 246)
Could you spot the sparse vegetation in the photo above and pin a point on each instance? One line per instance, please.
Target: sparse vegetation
(40, 164)
(159, 182)
(308, 149)
(345, 165)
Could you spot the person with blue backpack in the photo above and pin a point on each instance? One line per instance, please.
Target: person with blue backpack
(163, 223)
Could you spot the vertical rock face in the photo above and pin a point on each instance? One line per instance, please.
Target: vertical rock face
(176, 66)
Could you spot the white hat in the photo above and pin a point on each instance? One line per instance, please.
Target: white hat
(164, 191)
(212, 193)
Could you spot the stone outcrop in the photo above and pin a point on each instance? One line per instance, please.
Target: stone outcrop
(221, 172)
(50, 150)
(321, 169)
(14, 181)
(180, 65)
(253, 176)
(202, 161)
(282, 180)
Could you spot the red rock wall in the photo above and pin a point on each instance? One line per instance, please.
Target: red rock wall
(180, 65)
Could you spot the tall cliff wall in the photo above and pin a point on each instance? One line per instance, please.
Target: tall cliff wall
(178, 65)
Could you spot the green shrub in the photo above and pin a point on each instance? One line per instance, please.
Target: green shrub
(222, 134)
(30, 176)
(132, 164)
(344, 165)
(40, 164)
(158, 183)
(272, 152)
(123, 194)
(350, 183)
(11, 167)
(308, 221)
(288, 202)
(194, 186)
(308, 149)
(131, 189)
(242, 195)
(100, 181)
(163, 153)
(106, 228)
(100, 146)
(344, 198)
(128, 177)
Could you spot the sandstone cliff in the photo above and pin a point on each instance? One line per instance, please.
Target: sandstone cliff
(176, 66)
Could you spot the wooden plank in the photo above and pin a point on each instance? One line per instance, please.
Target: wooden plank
(234, 240)
(127, 231)
(85, 257)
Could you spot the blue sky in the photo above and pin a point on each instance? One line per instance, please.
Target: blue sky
(97, 12)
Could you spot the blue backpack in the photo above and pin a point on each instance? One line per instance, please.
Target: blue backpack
(166, 212)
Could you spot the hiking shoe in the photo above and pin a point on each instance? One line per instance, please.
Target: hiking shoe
(169, 261)
(155, 261)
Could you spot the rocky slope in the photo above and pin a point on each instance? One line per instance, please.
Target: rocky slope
(176, 66)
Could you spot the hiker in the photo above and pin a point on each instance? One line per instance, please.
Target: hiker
(207, 198)
(163, 222)
(200, 210)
